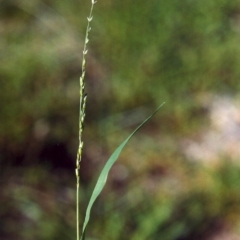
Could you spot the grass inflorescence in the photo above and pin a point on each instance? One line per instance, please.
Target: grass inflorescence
(82, 114)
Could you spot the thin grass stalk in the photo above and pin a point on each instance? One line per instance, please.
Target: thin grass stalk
(82, 114)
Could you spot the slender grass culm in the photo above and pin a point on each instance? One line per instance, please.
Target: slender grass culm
(108, 165)
(82, 113)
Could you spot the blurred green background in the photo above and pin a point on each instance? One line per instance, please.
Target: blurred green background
(141, 53)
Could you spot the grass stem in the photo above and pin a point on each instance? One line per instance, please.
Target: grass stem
(82, 114)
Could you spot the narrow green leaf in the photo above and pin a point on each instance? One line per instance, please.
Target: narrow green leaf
(104, 173)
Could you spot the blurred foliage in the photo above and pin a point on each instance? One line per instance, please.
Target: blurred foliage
(140, 55)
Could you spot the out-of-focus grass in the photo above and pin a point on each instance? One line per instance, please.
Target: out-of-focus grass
(199, 211)
(140, 55)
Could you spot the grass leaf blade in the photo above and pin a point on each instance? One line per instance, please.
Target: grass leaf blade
(105, 171)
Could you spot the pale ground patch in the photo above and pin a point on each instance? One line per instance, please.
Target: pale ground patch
(222, 137)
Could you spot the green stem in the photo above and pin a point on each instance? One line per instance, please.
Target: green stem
(82, 113)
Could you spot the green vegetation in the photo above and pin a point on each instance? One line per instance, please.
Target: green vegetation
(139, 56)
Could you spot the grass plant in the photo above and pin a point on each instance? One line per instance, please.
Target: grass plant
(105, 171)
